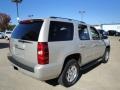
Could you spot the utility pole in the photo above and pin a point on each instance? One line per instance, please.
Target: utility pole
(82, 14)
(17, 2)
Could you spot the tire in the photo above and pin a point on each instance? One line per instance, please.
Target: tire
(106, 56)
(70, 74)
(6, 38)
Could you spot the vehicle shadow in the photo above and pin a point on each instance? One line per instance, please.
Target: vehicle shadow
(4, 45)
(54, 82)
(92, 67)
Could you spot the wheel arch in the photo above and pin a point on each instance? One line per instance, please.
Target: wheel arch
(76, 56)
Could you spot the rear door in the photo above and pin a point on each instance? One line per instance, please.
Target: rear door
(23, 42)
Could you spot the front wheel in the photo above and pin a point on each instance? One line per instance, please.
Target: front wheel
(106, 56)
(6, 38)
(70, 74)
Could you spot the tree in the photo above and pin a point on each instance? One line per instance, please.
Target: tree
(4, 21)
(11, 27)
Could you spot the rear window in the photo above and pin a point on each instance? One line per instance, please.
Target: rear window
(27, 31)
(60, 31)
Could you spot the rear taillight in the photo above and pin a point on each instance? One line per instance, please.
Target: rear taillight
(43, 53)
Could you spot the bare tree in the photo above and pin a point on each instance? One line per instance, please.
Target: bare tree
(4, 21)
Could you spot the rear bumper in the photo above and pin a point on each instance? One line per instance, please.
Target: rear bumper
(12, 60)
(41, 72)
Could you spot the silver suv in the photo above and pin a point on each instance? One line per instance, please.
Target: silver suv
(55, 48)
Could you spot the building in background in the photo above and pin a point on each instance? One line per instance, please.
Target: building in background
(107, 27)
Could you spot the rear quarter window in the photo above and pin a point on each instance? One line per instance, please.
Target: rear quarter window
(27, 31)
(60, 31)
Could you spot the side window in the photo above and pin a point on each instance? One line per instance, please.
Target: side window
(60, 31)
(83, 32)
(94, 33)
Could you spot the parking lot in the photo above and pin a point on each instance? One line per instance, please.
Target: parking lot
(103, 77)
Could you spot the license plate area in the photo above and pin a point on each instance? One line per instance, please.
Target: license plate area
(19, 50)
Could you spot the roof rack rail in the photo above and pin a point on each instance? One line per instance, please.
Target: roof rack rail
(67, 19)
(82, 22)
(62, 18)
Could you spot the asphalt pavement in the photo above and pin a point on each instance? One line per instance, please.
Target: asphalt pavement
(102, 77)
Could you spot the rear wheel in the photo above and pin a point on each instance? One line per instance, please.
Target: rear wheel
(106, 56)
(71, 73)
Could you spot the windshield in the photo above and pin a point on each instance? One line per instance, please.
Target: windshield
(8, 32)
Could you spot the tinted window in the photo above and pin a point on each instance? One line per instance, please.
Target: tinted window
(95, 34)
(83, 32)
(60, 31)
(101, 31)
(27, 31)
(8, 32)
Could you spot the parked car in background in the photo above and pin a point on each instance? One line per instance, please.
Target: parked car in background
(56, 48)
(104, 36)
(117, 33)
(7, 34)
(103, 32)
(1, 35)
(112, 32)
